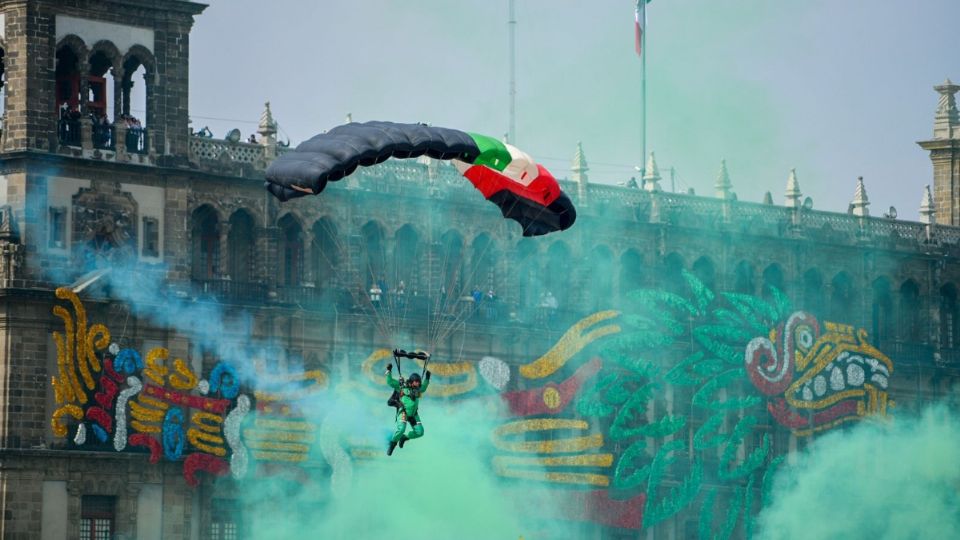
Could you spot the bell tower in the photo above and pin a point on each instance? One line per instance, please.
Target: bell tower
(97, 76)
(944, 150)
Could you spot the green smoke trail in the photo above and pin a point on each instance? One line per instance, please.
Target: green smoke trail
(899, 480)
(438, 486)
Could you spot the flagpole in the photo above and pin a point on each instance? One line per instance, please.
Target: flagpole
(643, 83)
(512, 27)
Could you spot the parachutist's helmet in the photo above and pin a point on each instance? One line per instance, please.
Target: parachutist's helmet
(415, 378)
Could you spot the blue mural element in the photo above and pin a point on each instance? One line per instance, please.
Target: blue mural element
(224, 378)
(128, 362)
(173, 436)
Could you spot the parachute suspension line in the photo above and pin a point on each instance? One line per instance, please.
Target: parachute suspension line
(440, 307)
(475, 265)
(381, 315)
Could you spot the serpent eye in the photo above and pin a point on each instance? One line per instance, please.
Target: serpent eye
(803, 337)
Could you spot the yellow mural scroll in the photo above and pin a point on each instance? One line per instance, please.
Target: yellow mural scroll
(572, 342)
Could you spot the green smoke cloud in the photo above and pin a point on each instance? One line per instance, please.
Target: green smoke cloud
(898, 480)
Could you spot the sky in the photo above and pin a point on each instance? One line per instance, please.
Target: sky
(834, 88)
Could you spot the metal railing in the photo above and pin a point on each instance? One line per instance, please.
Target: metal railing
(136, 140)
(68, 132)
(103, 136)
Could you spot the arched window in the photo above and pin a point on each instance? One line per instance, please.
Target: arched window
(241, 244)
(451, 264)
(483, 263)
(949, 317)
(772, 279)
(672, 274)
(743, 278)
(843, 299)
(631, 272)
(3, 81)
(68, 98)
(910, 311)
(135, 93)
(704, 270)
(556, 277)
(406, 258)
(527, 274)
(373, 255)
(882, 311)
(598, 285)
(813, 292)
(100, 94)
(206, 243)
(326, 251)
(291, 251)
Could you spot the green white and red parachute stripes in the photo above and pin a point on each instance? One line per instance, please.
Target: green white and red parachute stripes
(502, 166)
(524, 190)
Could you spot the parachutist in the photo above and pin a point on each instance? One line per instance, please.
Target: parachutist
(406, 400)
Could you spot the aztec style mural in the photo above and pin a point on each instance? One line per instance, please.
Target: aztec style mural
(679, 386)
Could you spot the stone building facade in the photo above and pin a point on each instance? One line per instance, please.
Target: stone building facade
(148, 197)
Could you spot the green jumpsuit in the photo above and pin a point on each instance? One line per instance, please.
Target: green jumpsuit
(410, 399)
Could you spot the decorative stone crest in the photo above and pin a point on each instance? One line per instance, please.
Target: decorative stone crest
(104, 225)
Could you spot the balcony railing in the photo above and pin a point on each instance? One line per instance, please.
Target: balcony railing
(68, 132)
(103, 136)
(226, 290)
(136, 140)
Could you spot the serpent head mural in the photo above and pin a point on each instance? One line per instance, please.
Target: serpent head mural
(815, 379)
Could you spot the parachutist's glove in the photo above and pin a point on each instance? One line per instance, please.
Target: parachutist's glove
(389, 368)
(428, 374)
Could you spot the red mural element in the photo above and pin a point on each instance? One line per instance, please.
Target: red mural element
(142, 439)
(108, 368)
(531, 402)
(789, 418)
(205, 463)
(218, 406)
(597, 506)
(594, 506)
(101, 417)
(105, 398)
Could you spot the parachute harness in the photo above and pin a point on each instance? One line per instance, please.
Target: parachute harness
(394, 400)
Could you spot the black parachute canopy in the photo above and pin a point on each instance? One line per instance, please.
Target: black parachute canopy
(524, 190)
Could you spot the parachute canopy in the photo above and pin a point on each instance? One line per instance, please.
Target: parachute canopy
(524, 190)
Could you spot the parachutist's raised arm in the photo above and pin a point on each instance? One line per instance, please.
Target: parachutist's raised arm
(393, 383)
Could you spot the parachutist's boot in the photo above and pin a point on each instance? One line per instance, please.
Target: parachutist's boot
(403, 440)
(393, 445)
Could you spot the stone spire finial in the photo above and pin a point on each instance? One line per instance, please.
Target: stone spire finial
(793, 194)
(651, 175)
(349, 118)
(268, 132)
(768, 198)
(267, 126)
(723, 185)
(860, 202)
(927, 210)
(579, 167)
(947, 118)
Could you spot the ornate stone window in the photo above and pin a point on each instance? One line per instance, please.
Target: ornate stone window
(57, 228)
(224, 520)
(97, 517)
(206, 244)
(291, 251)
(151, 237)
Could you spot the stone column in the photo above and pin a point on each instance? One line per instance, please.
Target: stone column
(223, 230)
(309, 273)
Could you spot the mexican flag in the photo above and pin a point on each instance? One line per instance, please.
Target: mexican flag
(640, 17)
